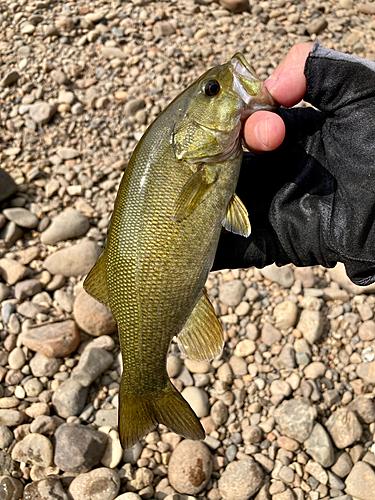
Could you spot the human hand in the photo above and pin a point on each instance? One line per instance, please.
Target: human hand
(263, 130)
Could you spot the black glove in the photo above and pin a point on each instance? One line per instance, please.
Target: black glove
(312, 200)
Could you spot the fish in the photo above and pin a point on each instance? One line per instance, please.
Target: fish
(176, 195)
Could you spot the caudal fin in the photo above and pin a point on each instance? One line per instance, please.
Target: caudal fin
(139, 415)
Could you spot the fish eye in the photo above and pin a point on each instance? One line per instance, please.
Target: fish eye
(212, 88)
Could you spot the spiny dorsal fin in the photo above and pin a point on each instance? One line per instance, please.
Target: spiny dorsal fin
(193, 193)
(96, 281)
(202, 337)
(237, 219)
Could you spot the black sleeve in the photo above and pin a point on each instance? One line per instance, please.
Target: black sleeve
(312, 201)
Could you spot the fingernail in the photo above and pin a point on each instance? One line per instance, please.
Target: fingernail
(270, 82)
(261, 133)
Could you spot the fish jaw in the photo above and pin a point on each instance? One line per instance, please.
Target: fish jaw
(249, 88)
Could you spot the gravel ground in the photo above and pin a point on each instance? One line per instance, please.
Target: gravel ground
(288, 407)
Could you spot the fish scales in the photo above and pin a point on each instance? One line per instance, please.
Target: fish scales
(176, 194)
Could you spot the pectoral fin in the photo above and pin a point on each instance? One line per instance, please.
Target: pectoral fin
(237, 218)
(202, 336)
(96, 281)
(193, 193)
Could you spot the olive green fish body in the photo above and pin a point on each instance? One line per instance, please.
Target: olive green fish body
(176, 193)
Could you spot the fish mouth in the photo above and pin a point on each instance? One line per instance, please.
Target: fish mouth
(249, 88)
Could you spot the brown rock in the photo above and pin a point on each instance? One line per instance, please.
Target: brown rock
(236, 6)
(53, 339)
(93, 317)
(367, 8)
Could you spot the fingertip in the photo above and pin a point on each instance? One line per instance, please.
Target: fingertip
(263, 131)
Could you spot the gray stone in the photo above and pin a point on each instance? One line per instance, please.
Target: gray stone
(41, 112)
(107, 417)
(10, 234)
(21, 217)
(311, 325)
(286, 314)
(43, 424)
(296, 418)
(104, 482)
(173, 366)
(319, 446)
(16, 359)
(34, 449)
(10, 418)
(270, 335)
(344, 427)
(287, 358)
(360, 483)
(92, 316)
(219, 413)
(78, 448)
(317, 26)
(45, 489)
(315, 370)
(7, 185)
(10, 488)
(44, 366)
(27, 288)
(282, 275)
(131, 455)
(238, 365)
(231, 292)
(75, 260)
(240, 480)
(197, 399)
(67, 225)
(364, 407)
(70, 398)
(93, 362)
(6, 437)
(12, 271)
(365, 371)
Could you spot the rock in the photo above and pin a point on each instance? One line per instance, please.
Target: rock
(10, 418)
(344, 428)
(285, 314)
(280, 388)
(366, 330)
(110, 52)
(361, 482)
(113, 452)
(252, 434)
(244, 348)
(78, 448)
(53, 339)
(231, 292)
(319, 446)
(34, 449)
(46, 489)
(197, 399)
(365, 371)
(43, 424)
(27, 288)
(364, 408)
(44, 366)
(311, 325)
(343, 465)
(16, 359)
(10, 234)
(67, 225)
(100, 483)
(93, 362)
(240, 480)
(12, 271)
(42, 112)
(238, 365)
(287, 358)
(60, 77)
(163, 28)
(64, 23)
(270, 335)
(6, 437)
(190, 467)
(75, 260)
(296, 418)
(282, 275)
(305, 275)
(367, 8)
(317, 472)
(67, 154)
(92, 316)
(7, 185)
(21, 217)
(107, 417)
(9, 79)
(315, 370)
(196, 366)
(131, 455)
(317, 26)
(70, 398)
(134, 496)
(219, 413)
(236, 6)
(10, 488)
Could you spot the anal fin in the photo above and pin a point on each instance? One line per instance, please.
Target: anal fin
(202, 337)
(96, 281)
(237, 219)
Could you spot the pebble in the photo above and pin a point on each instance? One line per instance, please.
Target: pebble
(315, 370)
(270, 335)
(67, 225)
(10, 488)
(34, 449)
(197, 399)
(75, 260)
(16, 359)
(53, 340)
(9, 79)
(10, 418)
(113, 452)
(366, 372)
(44, 366)
(12, 271)
(361, 482)
(343, 465)
(240, 480)
(132, 455)
(27, 288)
(319, 446)
(282, 275)
(317, 26)
(21, 217)
(42, 112)
(231, 292)
(363, 407)
(6, 436)
(70, 398)
(45, 489)
(236, 6)
(92, 316)
(93, 362)
(219, 413)
(78, 448)
(344, 427)
(190, 467)
(296, 418)
(102, 483)
(311, 325)
(286, 314)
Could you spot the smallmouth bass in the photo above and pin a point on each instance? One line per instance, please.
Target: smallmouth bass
(176, 194)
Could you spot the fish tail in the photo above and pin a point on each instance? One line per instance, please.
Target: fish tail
(139, 415)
